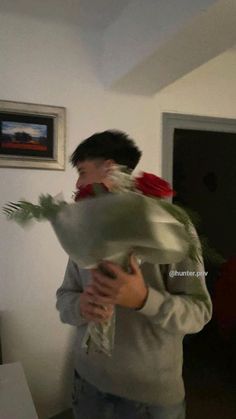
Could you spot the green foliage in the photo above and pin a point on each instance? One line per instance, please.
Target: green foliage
(193, 215)
(210, 255)
(179, 213)
(23, 211)
(187, 216)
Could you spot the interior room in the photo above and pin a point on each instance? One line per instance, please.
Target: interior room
(109, 65)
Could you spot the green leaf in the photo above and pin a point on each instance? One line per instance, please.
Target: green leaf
(23, 211)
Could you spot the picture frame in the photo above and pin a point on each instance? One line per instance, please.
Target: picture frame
(32, 136)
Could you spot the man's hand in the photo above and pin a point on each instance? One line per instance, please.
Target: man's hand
(127, 289)
(90, 310)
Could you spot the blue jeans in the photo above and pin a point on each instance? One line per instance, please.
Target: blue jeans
(90, 403)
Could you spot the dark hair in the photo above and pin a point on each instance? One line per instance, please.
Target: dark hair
(114, 144)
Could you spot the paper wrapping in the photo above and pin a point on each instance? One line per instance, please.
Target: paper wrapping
(108, 227)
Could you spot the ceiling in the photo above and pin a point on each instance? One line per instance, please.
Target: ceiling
(142, 45)
(101, 13)
(95, 14)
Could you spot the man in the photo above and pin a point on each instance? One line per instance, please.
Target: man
(154, 310)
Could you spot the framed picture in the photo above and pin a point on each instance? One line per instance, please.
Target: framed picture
(32, 136)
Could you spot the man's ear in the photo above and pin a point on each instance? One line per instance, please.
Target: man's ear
(108, 165)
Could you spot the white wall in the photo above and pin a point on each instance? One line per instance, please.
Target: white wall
(209, 90)
(44, 62)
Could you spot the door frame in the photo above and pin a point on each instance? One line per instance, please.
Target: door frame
(171, 121)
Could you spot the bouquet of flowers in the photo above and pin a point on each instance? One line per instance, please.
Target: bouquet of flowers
(132, 215)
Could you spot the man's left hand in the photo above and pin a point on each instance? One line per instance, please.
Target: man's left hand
(126, 289)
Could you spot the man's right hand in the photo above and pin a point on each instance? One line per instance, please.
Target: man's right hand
(91, 311)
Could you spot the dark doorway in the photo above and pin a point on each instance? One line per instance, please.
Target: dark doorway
(204, 176)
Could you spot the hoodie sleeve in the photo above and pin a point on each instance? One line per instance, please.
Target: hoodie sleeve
(184, 305)
(68, 296)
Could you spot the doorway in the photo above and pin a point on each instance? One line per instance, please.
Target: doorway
(199, 155)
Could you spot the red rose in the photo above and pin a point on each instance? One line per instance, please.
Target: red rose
(90, 190)
(153, 185)
(84, 192)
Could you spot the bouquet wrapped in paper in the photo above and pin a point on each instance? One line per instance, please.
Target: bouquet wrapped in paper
(102, 224)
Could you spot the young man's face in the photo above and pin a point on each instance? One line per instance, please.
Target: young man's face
(93, 171)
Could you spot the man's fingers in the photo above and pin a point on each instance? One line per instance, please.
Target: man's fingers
(134, 264)
(89, 290)
(111, 267)
(97, 313)
(94, 296)
(93, 318)
(101, 290)
(103, 280)
(102, 299)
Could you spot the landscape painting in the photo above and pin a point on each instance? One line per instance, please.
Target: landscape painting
(22, 136)
(32, 136)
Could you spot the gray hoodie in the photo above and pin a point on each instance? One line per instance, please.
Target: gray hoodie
(146, 363)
